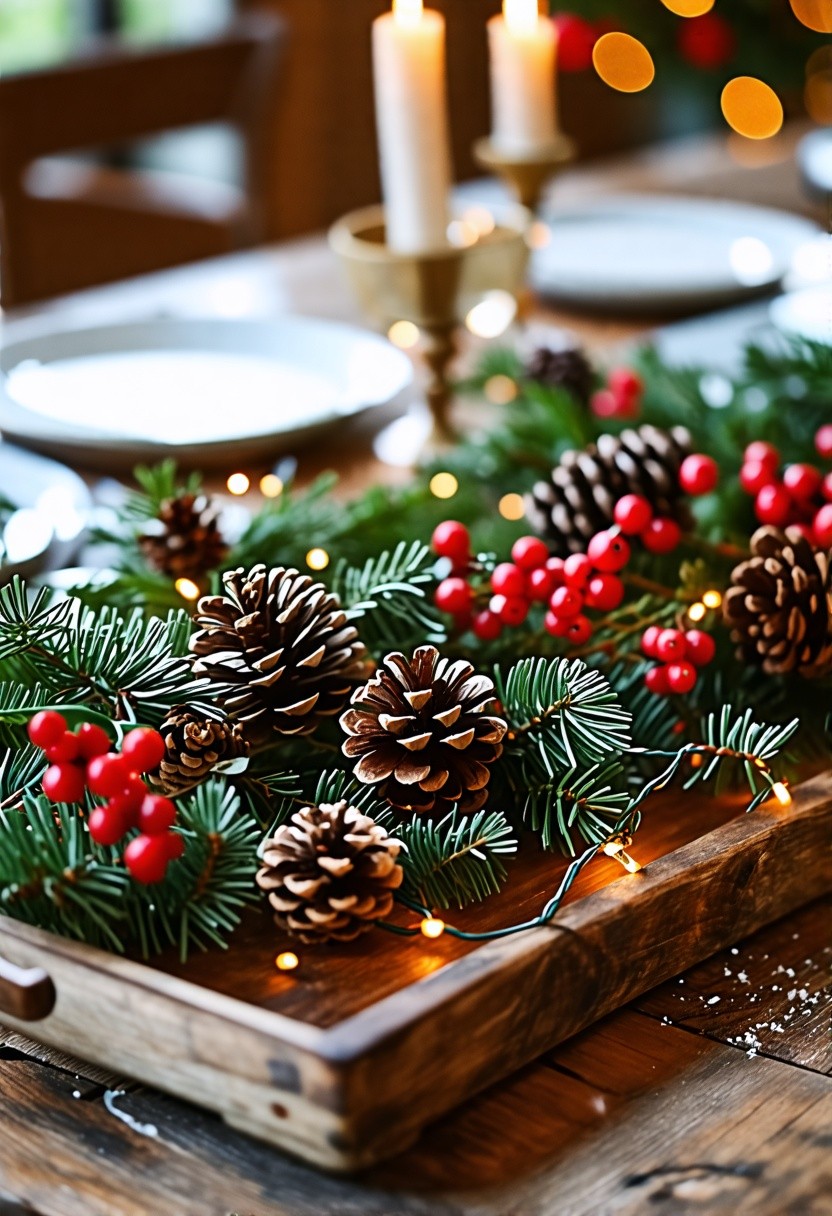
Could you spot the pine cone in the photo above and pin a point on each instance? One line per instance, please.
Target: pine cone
(184, 541)
(330, 873)
(419, 732)
(580, 497)
(284, 645)
(568, 369)
(194, 745)
(780, 604)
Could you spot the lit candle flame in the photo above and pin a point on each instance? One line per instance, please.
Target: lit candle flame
(522, 16)
(408, 12)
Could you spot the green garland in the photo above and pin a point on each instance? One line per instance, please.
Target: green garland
(586, 744)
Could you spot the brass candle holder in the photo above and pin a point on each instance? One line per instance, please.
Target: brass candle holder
(434, 290)
(526, 176)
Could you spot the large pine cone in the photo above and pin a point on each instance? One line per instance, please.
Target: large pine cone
(194, 745)
(580, 497)
(420, 732)
(284, 645)
(184, 541)
(330, 873)
(780, 604)
(567, 369)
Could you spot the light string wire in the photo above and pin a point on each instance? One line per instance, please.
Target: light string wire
(617, 842)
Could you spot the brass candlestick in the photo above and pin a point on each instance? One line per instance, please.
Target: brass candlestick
(526, 176)
(434, 290)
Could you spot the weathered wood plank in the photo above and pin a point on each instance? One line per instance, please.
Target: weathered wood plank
(771, 994)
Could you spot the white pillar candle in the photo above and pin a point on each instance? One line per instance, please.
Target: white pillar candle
(523, 51)
(413, 132)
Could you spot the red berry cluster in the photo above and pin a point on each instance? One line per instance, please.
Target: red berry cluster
(680, 654)
(622, 396)
(83, 761)
(801, 497)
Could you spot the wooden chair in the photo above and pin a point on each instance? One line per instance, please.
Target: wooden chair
(67, 224)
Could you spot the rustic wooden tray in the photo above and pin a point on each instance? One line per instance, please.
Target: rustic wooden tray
(345, 1060)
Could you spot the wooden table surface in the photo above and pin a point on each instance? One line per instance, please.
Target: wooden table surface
(711, 1094)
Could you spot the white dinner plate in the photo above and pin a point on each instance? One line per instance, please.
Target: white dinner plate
(52, 505)
(805, 314)
(649, 253)
(206, 391)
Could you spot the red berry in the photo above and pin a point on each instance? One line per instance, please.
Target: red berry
(557, 625)
(656, 681)
(707, 41)
(566, 602)
(555, 565)
(576, 571)
(108, 824)
(823, 527)
(650, 641)
(453, 595)
(762, 453)
(827, 487)
(632, 514)
(605, 593)
(700, 646)
(579, 630)
(681, 677)
(132, 795)
(626, 385)
(47, 728)
(609, 552)
(803, 481)
(755, 476)
(157, 815)
(511, 609)
(452, 539)
(487, 626)
(146, 858)
(66, 750)
(661, 535)
(64, 783)
(541, 583)
(93, 740)
(576, 40)
(774, 505)
(823, 441)
(605, 404)
(108, 775)
(144, 749)
(175, 845)
(698, 475)
(529, 553)
(508, 580)
(671, 645)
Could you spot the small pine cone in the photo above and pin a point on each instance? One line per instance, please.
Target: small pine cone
(184, 541)
(283, 644)
(330, 873)
(420, 732)
(579, 499)
(194, 745)
(568, 369)
(780, 605)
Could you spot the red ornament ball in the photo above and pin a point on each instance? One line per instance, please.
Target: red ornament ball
(774, 505)
(698, 475)
(576, 41)
(64, 783)
(143, 749)
(529, 553)
(823, 441)
(662, 535)
(707, 41)
(453, 595)
(681, 677)
(147, 858)
(487, 626)
(803, 481)
(632, 514)
(451, 539)
(605, 593)
(671, 645)
(508, 579)
(609, 552)
(700, 647)
(47, 728)
(823, 527)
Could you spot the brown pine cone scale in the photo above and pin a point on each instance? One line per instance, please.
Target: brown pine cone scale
(194, 745)
(330, 873)
(419, 731)
(184, 541)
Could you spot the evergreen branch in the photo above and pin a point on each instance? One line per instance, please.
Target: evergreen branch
(388, 596)
(457, 861)
(586, 803)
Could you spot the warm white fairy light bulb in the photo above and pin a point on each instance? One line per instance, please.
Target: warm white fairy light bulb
(408, 12)
(522, 16)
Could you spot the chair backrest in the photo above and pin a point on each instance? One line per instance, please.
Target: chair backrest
(109, 96)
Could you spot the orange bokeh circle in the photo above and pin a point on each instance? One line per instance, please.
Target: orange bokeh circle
(752, 108)
(623, 62)
(689, 8)
(815, 14)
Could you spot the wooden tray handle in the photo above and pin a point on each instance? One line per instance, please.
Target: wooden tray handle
(26, 995)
